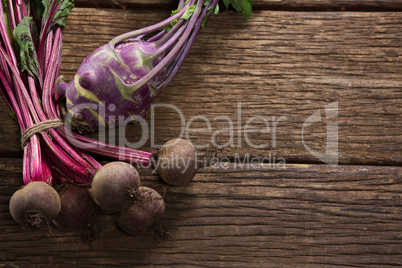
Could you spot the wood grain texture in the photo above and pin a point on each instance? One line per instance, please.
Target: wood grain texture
(282, 66)
(261, 4)
(286, 65)
(236, 216)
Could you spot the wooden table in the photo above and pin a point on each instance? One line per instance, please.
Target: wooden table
(292, 61)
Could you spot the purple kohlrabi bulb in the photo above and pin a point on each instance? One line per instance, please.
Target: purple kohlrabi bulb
(103, 92)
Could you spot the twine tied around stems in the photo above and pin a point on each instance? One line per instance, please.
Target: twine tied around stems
(39, 127)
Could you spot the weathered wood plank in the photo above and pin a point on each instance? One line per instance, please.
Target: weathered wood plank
(328, 4)
(10, 133)
(230, 216)
(260, 4)
(283, 66)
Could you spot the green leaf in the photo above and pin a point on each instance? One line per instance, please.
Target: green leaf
(204, 21)
(46, 6)
(216, 11)
(62, 12)
(186, 16)
(167, 28)
(28, 58)
(243, 6)
(189, 12)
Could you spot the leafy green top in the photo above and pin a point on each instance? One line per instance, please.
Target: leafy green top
(28, 58)
(63, 9)
(50, 13)
(243, 6)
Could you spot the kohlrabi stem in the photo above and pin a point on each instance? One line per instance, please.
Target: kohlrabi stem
(157, 36)
(168, 34)
(183, 54)
(168, 44)
(172, 53)
(150, 29)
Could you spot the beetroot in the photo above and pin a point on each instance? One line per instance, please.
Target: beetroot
(77, 207)
(114, 186)
(143, 213)
(177, 162)
(36, 204)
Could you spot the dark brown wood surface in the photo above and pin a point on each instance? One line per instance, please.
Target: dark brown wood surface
(262, 4)
(297, 211)
(237, 216)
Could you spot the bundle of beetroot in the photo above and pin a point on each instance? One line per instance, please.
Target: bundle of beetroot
(126, 73)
